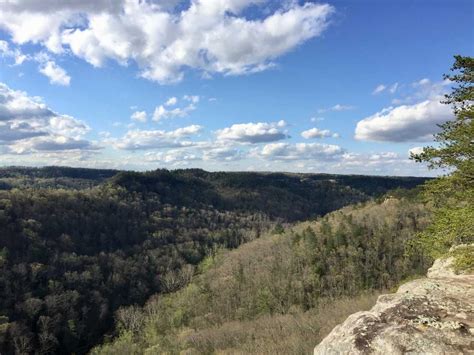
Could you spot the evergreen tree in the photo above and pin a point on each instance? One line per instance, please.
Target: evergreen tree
(453, 194)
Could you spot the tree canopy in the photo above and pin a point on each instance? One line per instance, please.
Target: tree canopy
(453, 194)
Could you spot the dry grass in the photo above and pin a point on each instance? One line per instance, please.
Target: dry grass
(294, 333)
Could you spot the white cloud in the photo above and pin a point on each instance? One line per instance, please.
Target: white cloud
(423, 89)
(185, 131)
(171, 101)
(379, 89)
(47, 66)
(422, 82)
(139, 116)
(415, 151)
(223, 154)
(192, 98)
(210, 36)
(316, 119)
(373, 162)
(260, 132)
(299, 151)
(171, 156)
(55, 73)
(405, 123)
(394, 88)
(17, 105)
(337, 108)
(384, 88)
(318, 133)
(28, 126)
(50, 143)
(16, 54)
(153, 139)
(68, 126)
(162, 112)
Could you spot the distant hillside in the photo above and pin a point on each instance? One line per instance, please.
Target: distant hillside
(287, 196)
(283, 292)
(78, 244)
(53, 177)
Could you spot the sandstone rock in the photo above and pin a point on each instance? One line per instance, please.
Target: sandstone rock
(433, 315)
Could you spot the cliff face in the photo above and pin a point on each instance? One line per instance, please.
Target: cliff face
(432, 315)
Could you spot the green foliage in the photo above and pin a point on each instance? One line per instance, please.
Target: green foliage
(283, 293)
(53, 177)
(455, 149)
(77, 245)
(278, 229)
(453, 195)
(450, 226)
(464, 259)
(74, 257)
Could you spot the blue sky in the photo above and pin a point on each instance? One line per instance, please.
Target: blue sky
(336, 86)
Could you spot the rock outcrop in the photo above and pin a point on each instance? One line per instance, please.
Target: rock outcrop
(432, 315)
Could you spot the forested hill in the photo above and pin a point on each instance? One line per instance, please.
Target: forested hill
(281, 293)
(289, 196)
(77, 244)
(53, 177)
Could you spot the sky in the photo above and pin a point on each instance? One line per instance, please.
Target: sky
(347, 87)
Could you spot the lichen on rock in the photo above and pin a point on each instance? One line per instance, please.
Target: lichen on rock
(433, 315)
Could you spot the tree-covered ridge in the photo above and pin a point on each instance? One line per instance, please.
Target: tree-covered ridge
(52, 177)
(287, 196)
(282, 292)
(70, 257)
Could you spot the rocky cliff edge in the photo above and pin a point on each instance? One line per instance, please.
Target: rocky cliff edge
(432, 315)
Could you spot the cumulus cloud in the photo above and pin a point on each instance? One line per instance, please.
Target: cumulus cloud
(27, 126)
(15, 131)
(65, 125)
(6, 52)
(299, 151)
(223, 154)
(51, 143)
(171, 101)
(171, 156)
(318, 133)
(139, 116)
(162, 112)
(17, 105)
(260, 132)
(55, 73)
(380, 162)
(404, 123)
(48, 67)
(210, 36)
(153, 139)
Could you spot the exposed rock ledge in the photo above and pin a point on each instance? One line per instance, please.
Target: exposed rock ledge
(433, 315)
